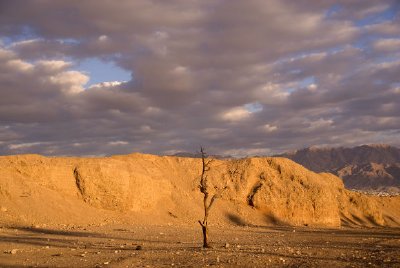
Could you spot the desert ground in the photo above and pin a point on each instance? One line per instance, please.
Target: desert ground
(142, 211)
(180, 246)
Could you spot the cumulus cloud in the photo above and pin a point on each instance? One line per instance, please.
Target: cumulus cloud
(236, 114)
(239, 77)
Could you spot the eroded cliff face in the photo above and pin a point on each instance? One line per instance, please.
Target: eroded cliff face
(146, 188)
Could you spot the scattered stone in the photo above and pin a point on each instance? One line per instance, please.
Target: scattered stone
(227, 245)
(13, 251)
(83, 255)
(139, 247)
(106, 262)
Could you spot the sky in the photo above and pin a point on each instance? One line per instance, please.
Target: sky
(254, 77)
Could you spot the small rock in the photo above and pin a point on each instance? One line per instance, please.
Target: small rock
(83, 255)
(227, 245)
(13, 251)
(262, 250)
(3, 209)
(106, 262)
(47, 246)
(139, 247)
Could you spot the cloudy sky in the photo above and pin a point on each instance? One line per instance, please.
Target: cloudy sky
(101, 77)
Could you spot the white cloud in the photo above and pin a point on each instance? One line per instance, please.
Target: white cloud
(235, 114)
(19, 65)
(103, 38)
(319, 124)
(72, 82)
(24, 145)
(118, 143)
(53, 65)
(390, 44)
(272, 93)
(107, 84)
(312, 87)
(269, 128)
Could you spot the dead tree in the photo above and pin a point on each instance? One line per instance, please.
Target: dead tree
(209, 198)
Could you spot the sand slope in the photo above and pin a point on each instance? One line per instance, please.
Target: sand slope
(142, 188)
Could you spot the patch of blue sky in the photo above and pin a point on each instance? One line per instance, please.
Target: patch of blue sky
(26, 33)
(305, 54)
(102, 71)
(307, 81)
(253, 107)
(289, 90)
(70, 41)
(386, 15)
(333, 10)
(387, 59)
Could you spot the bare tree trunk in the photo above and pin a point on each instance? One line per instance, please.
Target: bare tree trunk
(205, 236)
(207, 203)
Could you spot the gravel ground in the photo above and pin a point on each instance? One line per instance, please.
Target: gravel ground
(180, 246)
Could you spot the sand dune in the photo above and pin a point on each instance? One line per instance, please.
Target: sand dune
(138, 188)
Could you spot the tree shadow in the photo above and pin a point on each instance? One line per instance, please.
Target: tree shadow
(59, 232)
(271, 218)
(68, 239)
(235, 219)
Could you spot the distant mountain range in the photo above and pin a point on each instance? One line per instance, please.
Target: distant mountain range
(198, 155)
(366, 167)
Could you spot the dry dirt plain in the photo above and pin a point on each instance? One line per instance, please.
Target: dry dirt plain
(180, 246)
